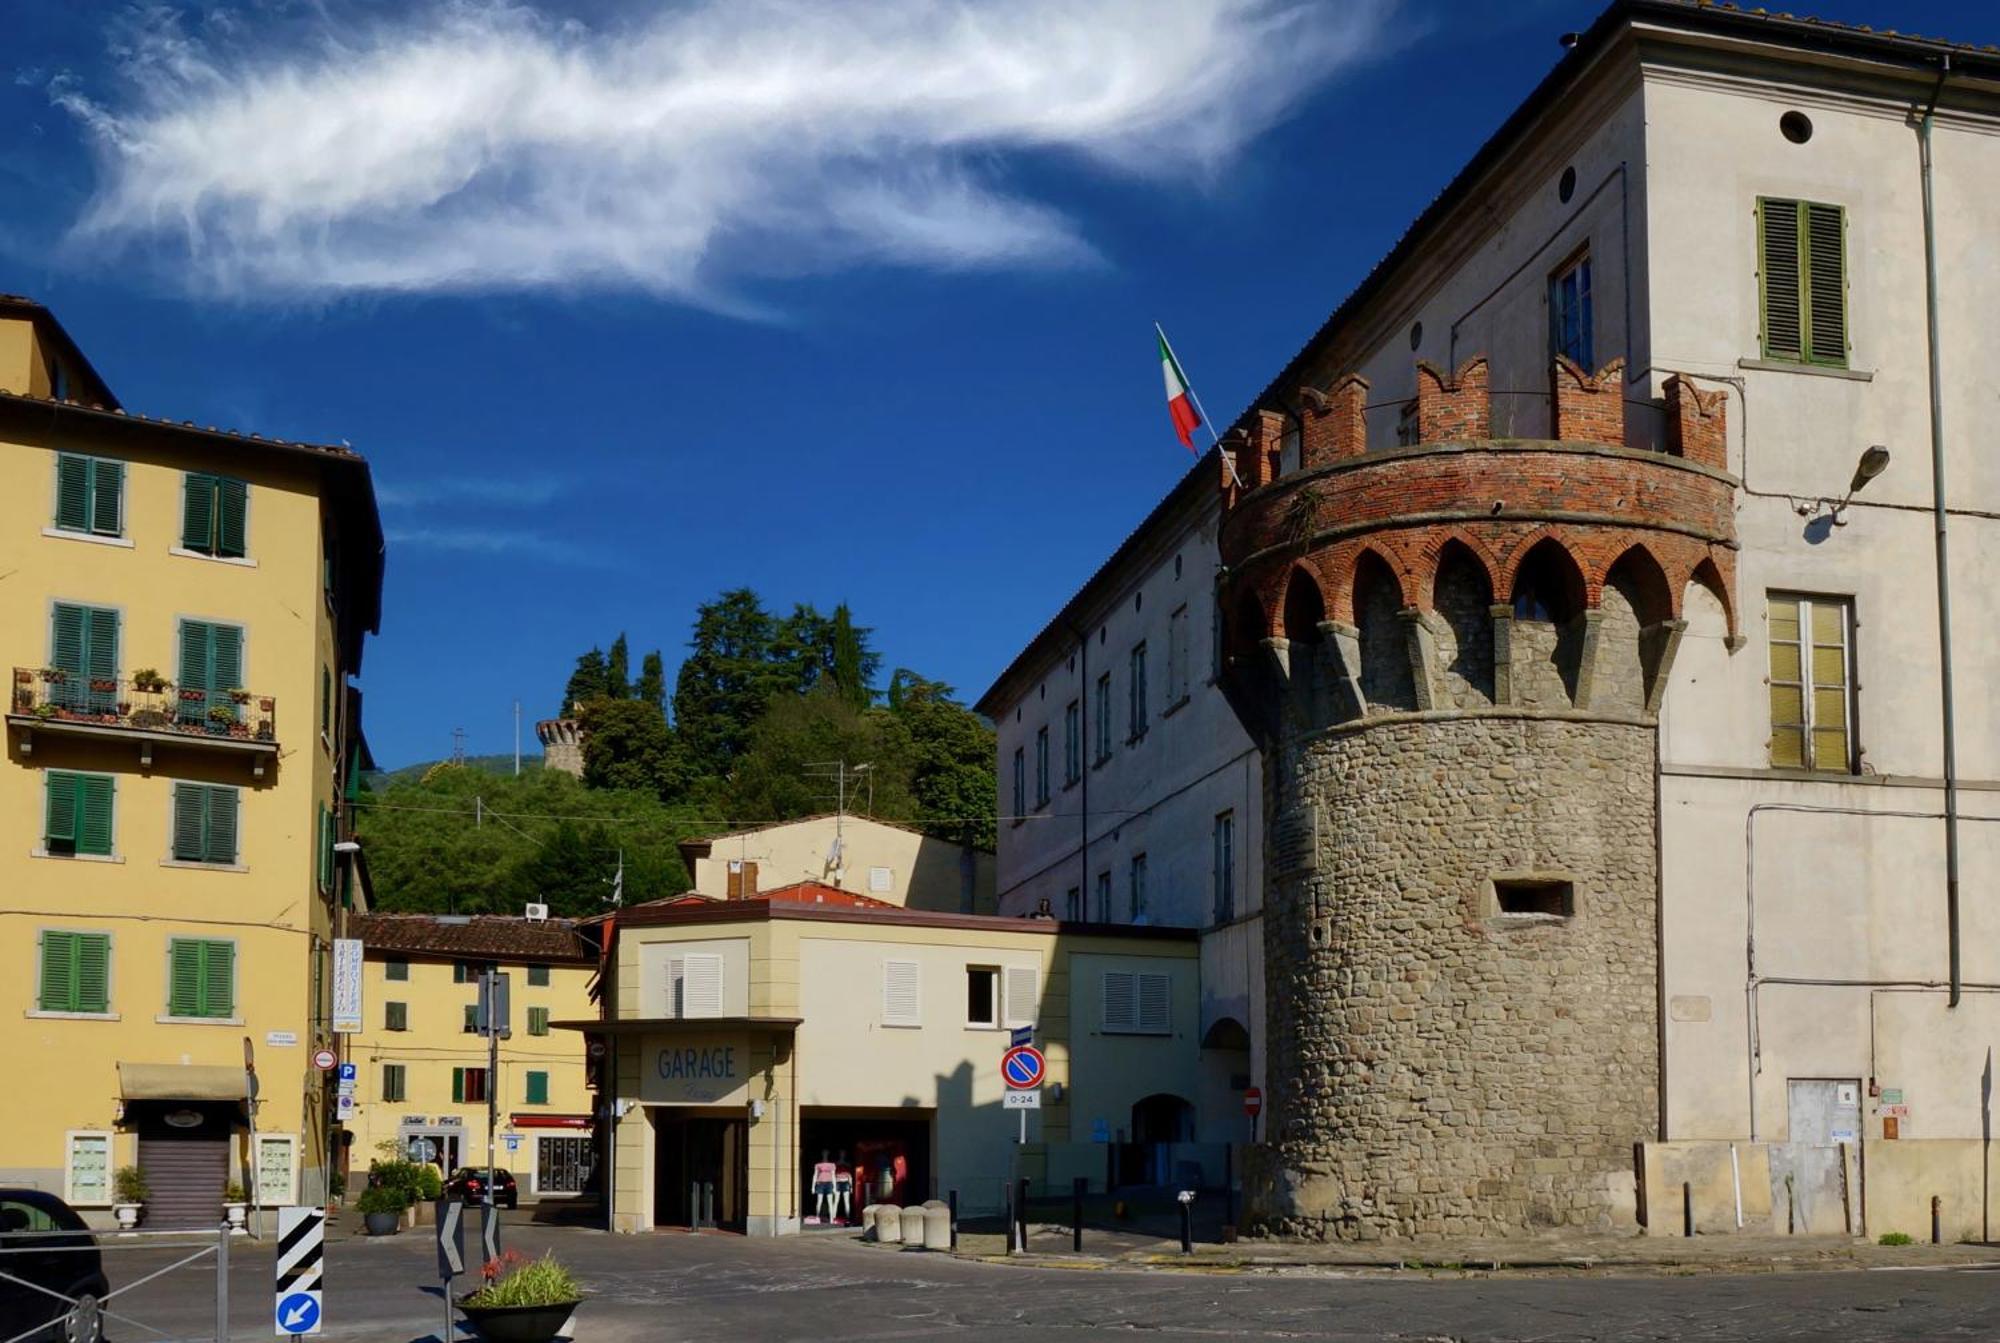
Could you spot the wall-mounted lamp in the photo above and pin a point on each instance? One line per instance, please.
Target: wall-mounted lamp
(1873, 463)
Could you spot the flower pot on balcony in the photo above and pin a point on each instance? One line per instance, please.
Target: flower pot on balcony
(193, 696)
(104, 685)
(264, 732)
(241, 730)
(239, 697)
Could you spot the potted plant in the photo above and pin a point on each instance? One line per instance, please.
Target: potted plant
(522, 1300)
(45, 711)
(234, 1202)
(382, 1209)
(149, 681)
(104, 685)
(128, 1195)
(54, 676)
(22, 676)
(238, 695)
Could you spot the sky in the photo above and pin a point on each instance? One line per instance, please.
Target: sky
(631, 302)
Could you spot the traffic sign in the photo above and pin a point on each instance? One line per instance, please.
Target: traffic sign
(451, 1238)
(1023, 1035)
(343, 1106)
(324, 1059)
(1253, 1102)
(350, 1072)
(1023, 1067)
(1021, 1100)
(296, 1306)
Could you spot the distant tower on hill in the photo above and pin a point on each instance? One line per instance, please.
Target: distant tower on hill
(562, 745)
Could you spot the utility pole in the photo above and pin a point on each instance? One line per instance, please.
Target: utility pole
(517, 739)
(458, 746)
(842, 776)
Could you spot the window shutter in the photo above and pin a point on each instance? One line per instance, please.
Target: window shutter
(1779, 266)
(100, 642)
(198, 512)
(93, 814)
(60, 827)
(184, 979)
(1022, 983)
(458, 1084)
(227, 668)
(396, 1016)
(93, 972)
(677, 986)
(538, 1021)
(325, 851)
(66, 639)
(538, 1088)
(190, 823)
(1155, 1004)
(901, 998)
(703, 995)
(107, 497)
(58, 971)
(1121, 1001)
(1826, 282)
(218, 979)
(470, 1025)
(232, 498)
(72, 493)
(222, 807)
(197, 639)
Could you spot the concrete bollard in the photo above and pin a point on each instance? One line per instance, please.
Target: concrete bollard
(937, 1225)
(888, 1224)
(868, 1221)
(913, 1226)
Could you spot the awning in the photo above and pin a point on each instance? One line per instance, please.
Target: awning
(680, 1025)
(551, 1121)
(181, 1082)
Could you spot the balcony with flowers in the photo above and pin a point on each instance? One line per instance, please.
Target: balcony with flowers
(144, 708)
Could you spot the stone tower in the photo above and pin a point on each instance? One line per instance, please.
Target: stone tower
(1453, 654)
(562, 745)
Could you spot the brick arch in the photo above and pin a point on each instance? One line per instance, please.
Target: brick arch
(1304, 605)
(1509, 568)
(1359, 555)
(1656, 591)
(1436, 545)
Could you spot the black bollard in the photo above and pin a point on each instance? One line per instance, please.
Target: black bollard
(952, 1199)
(1077, 1188)
(1687, 1209)
(694, 1205)
(1187, 1222)
(1937, 1231)
(1021, 1211)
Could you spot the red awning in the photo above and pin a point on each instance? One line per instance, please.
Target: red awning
(551, 1121)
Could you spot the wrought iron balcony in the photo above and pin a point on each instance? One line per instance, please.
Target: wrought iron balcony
(148, 711)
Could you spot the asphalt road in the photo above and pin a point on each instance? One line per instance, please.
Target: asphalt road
(668, 1287)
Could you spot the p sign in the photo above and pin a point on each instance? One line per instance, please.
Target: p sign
(1023, 1067)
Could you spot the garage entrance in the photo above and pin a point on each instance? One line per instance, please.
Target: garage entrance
(701, 1169)
(184, 1150)
(887, 1153)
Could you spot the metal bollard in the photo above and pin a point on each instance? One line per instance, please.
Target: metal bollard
(1021, 1210)
(1937, 1231)
(1187, 1221)
(222, 1284)
(694, 1205)
(1077, 1188)
(1687, 1209)
(953, 1203)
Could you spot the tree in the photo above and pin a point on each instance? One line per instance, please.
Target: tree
(852, 665)
(652, 687)
(627, 744)
(952, 780)
(618, 669)
(726, 681)
(588, 682)
(782, 775)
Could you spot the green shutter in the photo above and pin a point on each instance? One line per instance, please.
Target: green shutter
(58, 971)
(198, 512)
(232, 501)
(1825, 231)
(538, 1088)
(538, 1021)
(183, 978)
(72, 493)
(325, 849)
(223, 803)
(227, 667)
(93, 971)
(1778, 271)
(458, 1084)
(471, 1018)
(396, 1017)
(93, 814)
(59, 824)
(66, 639)
(218, 979)
(326, 701)
(107, 497)
(190, 822)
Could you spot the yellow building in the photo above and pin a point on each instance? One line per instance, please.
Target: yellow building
(422, 1075)
(889, 862)
(182, 609)
(752, 1040)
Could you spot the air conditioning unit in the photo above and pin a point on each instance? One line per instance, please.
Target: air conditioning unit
(537, 913)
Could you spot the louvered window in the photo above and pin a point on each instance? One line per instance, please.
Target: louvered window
(694, 985)
(76, 972)
(83, 652)
(214, 515)
(205, 827)
(77, 813)
(1802, 280)
(396, 1016)
(902, 1003)
(538, 1021)
(201, 978)
(538, 1088)
(211, 665)
(90, 495)
(1023, 982)
(1137, 1003)
(394, 1085)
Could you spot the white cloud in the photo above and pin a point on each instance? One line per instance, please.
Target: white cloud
(498, 542)
(505, 491)
(473, 146)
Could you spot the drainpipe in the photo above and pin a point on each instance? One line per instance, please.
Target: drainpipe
(1940, 521)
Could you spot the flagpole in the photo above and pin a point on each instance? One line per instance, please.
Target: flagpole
(1228, 459)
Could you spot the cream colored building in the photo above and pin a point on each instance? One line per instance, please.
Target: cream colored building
(752, 1039)
(423, 1076)
(888, 862)
(182, 610)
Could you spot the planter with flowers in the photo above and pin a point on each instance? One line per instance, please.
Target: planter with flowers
(235, 1204)
(522, 1300)
(129, 1193)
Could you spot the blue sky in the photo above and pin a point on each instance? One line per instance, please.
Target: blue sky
(631, 302)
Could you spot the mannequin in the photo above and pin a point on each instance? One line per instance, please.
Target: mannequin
(843, 1189)
(823, 1185)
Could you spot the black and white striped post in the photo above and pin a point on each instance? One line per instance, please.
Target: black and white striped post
(299, 1265)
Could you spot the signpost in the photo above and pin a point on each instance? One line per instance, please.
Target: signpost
(346, 985)
(296, 1303)
(451, 1250)
(1253, 1105)
(492, 1020)
(1022, 1069)
(324, 1060)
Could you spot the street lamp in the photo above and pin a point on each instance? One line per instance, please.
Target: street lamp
(1824, 512)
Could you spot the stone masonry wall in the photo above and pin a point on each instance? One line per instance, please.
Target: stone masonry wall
(1436, 1066)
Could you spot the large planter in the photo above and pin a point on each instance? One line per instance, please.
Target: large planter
(127, 1214)
(518, 1324)
(382, 1223)
(235, 1213)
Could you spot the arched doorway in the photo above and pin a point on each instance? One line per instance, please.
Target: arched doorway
(1159, 1122)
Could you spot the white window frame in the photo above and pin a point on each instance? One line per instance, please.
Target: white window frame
(70, 1195)
(1802, 604)
(290, 1141)
(890, 1016)
(999, 979)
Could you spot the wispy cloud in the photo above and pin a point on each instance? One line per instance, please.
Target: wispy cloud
(506, 491)
(478, 145)
(497, 542)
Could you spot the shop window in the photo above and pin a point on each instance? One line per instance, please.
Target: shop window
(982, 996)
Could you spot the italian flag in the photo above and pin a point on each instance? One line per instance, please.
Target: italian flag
(1180, 405)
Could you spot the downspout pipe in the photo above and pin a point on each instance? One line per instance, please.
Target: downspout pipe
(1941, 520)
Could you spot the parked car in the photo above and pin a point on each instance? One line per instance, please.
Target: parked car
(43, 1241)
(468, 1183)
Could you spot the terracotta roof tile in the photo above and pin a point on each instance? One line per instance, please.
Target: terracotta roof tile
(499, 937)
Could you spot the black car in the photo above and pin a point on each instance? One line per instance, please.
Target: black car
(44, 1242)
(468, 1184)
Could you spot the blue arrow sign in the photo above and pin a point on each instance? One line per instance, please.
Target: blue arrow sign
(299, 1313)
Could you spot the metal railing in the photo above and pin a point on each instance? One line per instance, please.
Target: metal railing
(87, 1315)
(55, 696)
